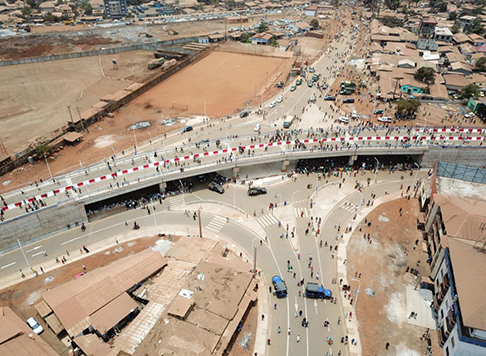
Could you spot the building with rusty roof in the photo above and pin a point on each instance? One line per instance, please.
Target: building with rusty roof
(455, 238)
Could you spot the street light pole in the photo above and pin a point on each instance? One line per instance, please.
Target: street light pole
(135, 138)
(254, 254)
(376, 169)
(183, 194)
(357, 293)
(23, 253)
(200, 224)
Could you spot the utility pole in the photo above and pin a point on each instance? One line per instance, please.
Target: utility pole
(23, 253)
(200, 225)
(81, 120)
(70, 114)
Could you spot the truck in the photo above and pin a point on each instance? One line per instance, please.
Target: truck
(279, 286)
(316, 291)
(288, 121)
(155, 63)
(347, 88)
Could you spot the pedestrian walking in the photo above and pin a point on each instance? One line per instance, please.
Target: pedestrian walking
(298, 338)
(269, 341)
(387, 345)
(42, 269)
(275, 306)
(116, 240)
(288, 331)
(84, 267)
(263, 317)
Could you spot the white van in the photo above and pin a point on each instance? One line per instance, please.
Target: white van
(354, 114)
(343, 120)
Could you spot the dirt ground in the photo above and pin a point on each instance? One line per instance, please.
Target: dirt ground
(23, 296)
(34, 97)
(383, 264)
(224, 81)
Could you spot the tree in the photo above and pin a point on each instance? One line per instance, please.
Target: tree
(273, 41)
(50, 18)
(455, 28)
(262, 27)
(442, 7)
(425, 75)
(40, 147)
(392, 21)
(469, 91)
(87, 8)
(26, 11)
(32, 4)
(244, 37)
(392, 4)
(315, 24)
(452, 16)
(407, 108)
(481, 63)
(477, 27)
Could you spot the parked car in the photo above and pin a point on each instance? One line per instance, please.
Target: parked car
(324, 86)
(312, 70)
(244, 114)
(257, 128)
(35, 326)
(348, 101)
(298, 82)
(378, 111)
(469, 115)
(343, 119)
(272, 104)
(329, 98)
(310, 84)
(279, 99)
(186, 129)
(385, 119)
(253, 191)
(215, 187)
(293, 88)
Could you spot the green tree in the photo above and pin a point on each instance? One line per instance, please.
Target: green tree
(469, 91)
(87, 8)
(273, 41)
(315, 24)
(452, 16)
(408, 107)
(262, 27)
(441, 7)
(32, 3)
(49, 17)
(392, 4)
(477, 27)
(392, 21)
(244, 37)
(40, 147)
(26, 11)
(481, 63)
(425, 75)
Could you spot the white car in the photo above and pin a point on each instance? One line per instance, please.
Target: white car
(279, 99)
(385, 119)
(272, 104)
(344, 120)
(34, 325)
(469, 115)
(257, 128)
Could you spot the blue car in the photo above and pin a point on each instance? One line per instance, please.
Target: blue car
(279, 286)
(329, 98)
(186, 129)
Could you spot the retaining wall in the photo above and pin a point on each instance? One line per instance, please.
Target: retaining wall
(39, 224)
(470, 156)
(150, 46)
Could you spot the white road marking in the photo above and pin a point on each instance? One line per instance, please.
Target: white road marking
(315, 305)
(33, 249)
(10, 264)
(38, 253)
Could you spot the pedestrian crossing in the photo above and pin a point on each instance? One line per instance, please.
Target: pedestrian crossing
(176, 202)
(298, 212)
(267, 220)
(348, 206)
(216, 223)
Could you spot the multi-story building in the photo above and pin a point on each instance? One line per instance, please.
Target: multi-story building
(115, 8)
(455, 230)
(443, 34)
(427, 27)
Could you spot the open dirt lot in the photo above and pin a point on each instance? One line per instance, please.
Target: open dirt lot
(382, 304)
(34, 97)
(224, 81)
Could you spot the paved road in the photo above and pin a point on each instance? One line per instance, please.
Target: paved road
(272, 255)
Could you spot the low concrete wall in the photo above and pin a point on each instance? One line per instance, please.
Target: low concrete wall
(150, 46)
(470, 156)
(38, 225)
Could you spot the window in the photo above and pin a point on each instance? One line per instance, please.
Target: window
(441, 314)
(447, 351)
(453, 343)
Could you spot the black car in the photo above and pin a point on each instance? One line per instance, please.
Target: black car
(348, 101)
(378, 111)
(253, 191)
(329, 98)
(215, 187)
(244, 113)
(186, 129)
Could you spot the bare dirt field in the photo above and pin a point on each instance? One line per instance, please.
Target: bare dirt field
(34, 97)
(382, 308)
(224, 81)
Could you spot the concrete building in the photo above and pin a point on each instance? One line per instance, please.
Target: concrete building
(115, 8)
(311, 10)
(427, 27)
(466, 22)
(455, 241)
(443, 34)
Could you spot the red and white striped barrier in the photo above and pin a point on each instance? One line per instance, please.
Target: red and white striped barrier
(332, 140)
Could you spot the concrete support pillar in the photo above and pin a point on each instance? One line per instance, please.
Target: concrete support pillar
(284, 166)
(236, 171)
(352, 159)
(162, 187)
